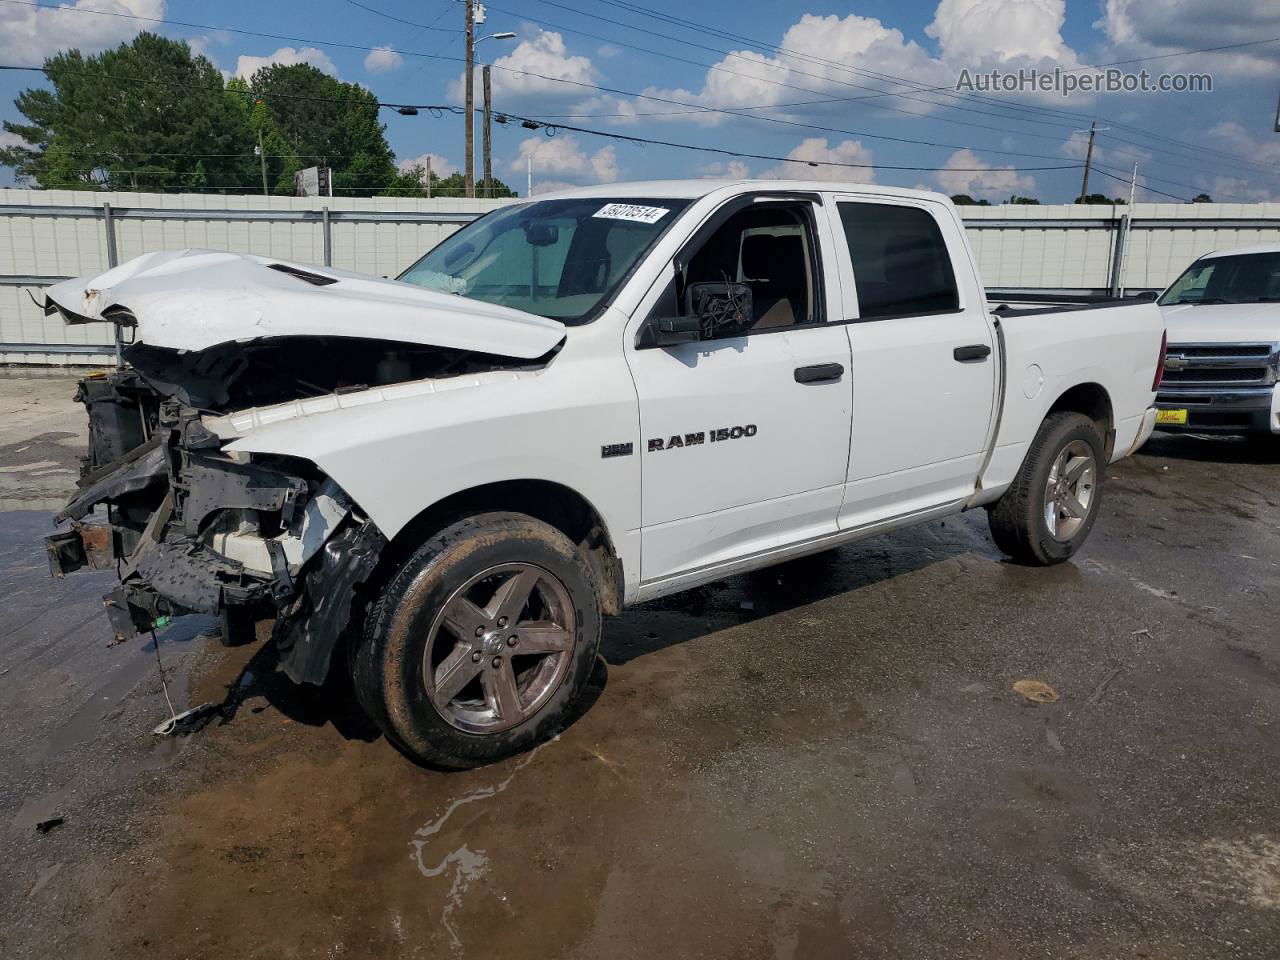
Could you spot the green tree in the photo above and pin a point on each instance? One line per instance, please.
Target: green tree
(412, 183)
(964, 200)
(1202, 198)
(1025, 201)
(1098, 198)
(147, 115)
(282, 161)
(323, 121)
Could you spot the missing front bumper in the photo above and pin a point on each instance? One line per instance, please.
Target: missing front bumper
(193, 530)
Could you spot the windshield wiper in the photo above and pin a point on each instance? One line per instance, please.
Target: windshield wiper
(1206, 300)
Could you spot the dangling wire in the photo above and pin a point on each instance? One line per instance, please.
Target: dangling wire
(167, 728)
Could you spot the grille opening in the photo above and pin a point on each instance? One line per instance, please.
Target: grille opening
(1225, 350)
(1216, 375)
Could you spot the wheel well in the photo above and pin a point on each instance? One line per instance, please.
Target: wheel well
(1094, 402)
(552, 503)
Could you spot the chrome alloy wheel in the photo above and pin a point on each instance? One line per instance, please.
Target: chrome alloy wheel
(1070, 490)
(499, 647)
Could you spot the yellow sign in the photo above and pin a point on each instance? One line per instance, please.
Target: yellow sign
(1171, 416)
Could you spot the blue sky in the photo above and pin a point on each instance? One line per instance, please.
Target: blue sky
(734, 75)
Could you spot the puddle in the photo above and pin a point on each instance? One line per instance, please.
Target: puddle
(465, 864)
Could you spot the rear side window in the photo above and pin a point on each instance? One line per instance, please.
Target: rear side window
(901, 266)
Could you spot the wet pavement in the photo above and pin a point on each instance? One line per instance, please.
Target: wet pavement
(827, 759)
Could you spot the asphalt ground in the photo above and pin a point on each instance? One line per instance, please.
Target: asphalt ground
(825, 759)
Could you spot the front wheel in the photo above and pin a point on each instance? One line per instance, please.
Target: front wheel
(1046, 514)
(481, 642)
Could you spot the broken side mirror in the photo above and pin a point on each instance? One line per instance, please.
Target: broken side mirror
(722, 308)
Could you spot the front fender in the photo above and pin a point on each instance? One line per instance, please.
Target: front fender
(397, 450)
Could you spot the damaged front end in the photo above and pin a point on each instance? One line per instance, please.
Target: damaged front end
(193, 529)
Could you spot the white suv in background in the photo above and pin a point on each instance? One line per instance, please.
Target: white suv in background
(1223, 319)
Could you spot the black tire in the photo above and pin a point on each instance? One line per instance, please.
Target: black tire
(1018, 519)
(388, 667)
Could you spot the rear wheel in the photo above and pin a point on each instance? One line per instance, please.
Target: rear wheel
(1047, 513)
(481, 643)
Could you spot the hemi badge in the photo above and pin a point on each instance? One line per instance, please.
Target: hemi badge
(616, 450)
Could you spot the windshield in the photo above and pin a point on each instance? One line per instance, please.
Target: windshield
(1245, 278)
(561, 259)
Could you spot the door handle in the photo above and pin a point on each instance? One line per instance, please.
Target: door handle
(972, 353)
(819, 373)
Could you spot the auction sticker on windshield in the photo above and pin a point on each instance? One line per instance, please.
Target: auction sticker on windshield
(631, 211)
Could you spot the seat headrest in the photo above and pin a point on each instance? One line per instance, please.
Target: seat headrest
(768, 257)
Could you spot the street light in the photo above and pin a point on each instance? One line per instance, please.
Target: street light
(487, 189)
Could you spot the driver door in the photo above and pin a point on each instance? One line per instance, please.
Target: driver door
(745, 432)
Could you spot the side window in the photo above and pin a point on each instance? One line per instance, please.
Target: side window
(900, 261)
(769, 249)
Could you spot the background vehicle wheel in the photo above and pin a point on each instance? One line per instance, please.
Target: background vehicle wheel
(1046, 515)
(481, 641)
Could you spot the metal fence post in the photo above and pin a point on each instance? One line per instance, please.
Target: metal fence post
(113, 260)
(327, 229)
(1117, 257)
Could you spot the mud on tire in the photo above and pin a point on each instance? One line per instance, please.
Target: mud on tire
(435, 627)
(1020, 518)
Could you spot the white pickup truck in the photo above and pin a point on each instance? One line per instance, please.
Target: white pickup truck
(1222, 372)
(571, 405)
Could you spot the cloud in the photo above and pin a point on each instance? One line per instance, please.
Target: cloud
(816, 149)
(543, 53)
(816, 48)
(551, 186)
(1152, 27)
(247, 66)
(562, 156)
(29, 34)
(440, 165)
(731, 170)
(989, 32)
(965, 173)
(8, 139)
(383, 60)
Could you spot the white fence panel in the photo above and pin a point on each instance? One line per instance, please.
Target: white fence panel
(1047, 248)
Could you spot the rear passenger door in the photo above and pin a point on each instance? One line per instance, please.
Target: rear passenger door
(924, 365)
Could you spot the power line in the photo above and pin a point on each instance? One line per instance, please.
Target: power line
(948, 91)
(1098, 169)
(562, 80)
(440, 108)
(551, 129)
(411, 23)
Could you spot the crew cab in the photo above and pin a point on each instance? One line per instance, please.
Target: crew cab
(588, 400)
(1222, 372)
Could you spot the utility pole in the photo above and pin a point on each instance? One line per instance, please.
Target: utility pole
(428, 176)
(1088, 156)
(1133, 186)
(528, 171)
(262, 155)
(488, 112)
(470, 149)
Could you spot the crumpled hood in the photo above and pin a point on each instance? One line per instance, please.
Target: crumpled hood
(196, 299)
(1223, 322)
